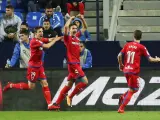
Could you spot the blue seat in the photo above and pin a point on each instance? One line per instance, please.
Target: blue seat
(19, 10)
(19, 15)
(3, 4)
(1, 15)
(33, 19)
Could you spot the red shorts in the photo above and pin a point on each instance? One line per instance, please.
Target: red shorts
(75, 71)
(132, 81)
(34, 74)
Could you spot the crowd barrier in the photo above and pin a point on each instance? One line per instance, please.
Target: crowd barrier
(104, 53)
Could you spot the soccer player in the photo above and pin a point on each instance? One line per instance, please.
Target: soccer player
(132, 52)
(35, 66)
(73, 59)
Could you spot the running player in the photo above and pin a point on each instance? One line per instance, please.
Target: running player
(73, 59)
(132, 52)
(35, 66)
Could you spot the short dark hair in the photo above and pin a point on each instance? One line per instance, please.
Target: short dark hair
(24, 31)
(24, 23)
(46, 20)
(72, 24)
(137, 34)
(48, 6)
(10, 6)
(37, 28)
(81, 42)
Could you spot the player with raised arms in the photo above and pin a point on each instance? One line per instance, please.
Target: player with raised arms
(72, 44)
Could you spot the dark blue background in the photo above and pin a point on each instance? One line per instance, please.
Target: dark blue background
(104, 53)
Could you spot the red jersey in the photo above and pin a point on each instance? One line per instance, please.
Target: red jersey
(37, 53)
(133, 52)
(73, 49)
(78, 34)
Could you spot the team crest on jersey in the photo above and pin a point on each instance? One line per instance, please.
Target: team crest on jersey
(40, 48)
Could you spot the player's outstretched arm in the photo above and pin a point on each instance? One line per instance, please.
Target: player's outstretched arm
(156, 59)
(120, 61)
(48, 45)
(66, 27)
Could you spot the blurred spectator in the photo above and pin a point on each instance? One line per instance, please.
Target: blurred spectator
(19, 4)
(76, 7)
(9, 25)
(48, 31)
(21, 51)
(83, 33)
(85, 57)
(32, 5)
(24, 25)
(53, 18)
(26, 5)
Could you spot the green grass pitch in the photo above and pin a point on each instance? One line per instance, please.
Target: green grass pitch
(96, 115)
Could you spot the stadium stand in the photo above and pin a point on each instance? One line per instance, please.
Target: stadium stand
(14, 3)
(137, 14)
(3, 4)
(90, 17)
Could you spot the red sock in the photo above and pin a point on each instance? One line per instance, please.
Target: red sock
(125, 94)
(47, 94)
(23, 86)
(62, 94)
(79, 87)
(126, 100)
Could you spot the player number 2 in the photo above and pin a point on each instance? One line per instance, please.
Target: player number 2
(130, 57)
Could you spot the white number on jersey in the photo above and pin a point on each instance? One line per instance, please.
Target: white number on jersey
(130, 57)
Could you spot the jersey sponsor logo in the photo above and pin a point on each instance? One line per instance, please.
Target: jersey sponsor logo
(128, 67)
(103, 90)
(75, 43)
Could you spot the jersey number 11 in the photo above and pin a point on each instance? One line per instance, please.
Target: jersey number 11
(130, 57)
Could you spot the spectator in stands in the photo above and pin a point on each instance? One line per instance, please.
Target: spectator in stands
(85, 57)
(83, 33)
(24, 25)
(9, 25)
(48, 31)
(21, 51)
(54, 19)
(76, 7)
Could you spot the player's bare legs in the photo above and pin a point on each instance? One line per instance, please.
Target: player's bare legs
(21, 85)
(79, 88)
(126, 98)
